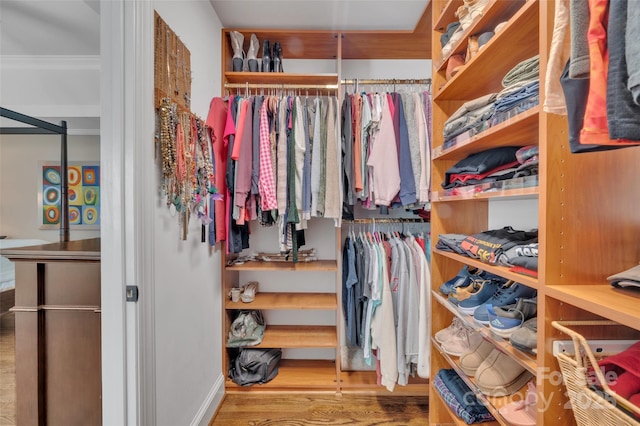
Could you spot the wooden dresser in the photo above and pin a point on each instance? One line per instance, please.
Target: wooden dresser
(57, 320)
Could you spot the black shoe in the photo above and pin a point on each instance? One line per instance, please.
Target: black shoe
(277, 57)
(266, 57)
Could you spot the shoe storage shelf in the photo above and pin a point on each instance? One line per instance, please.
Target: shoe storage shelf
(586, 205)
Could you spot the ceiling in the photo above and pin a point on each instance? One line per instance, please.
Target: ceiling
(71, 27)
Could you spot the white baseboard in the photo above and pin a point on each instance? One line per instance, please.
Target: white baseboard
(210, 404)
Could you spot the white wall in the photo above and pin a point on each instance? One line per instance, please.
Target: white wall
(189, 380)
(20, 156)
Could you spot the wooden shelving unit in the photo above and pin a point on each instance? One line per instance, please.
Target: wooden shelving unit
(587, 205)
(310, 374)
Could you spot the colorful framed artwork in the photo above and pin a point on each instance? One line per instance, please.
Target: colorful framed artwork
(83, 195)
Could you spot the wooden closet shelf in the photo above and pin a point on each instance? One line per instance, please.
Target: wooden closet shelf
(521, 30)
(316, 265)
(359, 381)
(299, 336)
(295, 374)
(282, 78)
(498, 270)
(615, 304)
(520, 130)
(446, 15)
(526, 360)
(320, 301)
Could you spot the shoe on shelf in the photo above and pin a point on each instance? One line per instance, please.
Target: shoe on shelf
(252, 54)
(486, 289)
(507, 294)
(526, 337)
(460, 342)
(471, 359)
(462, 293)
(249, 291)
(462, 279)
(523, 412)
(446, 333)
(277, 57)
(501, 375)
(266, 56)
(237, 45)
(505, 320)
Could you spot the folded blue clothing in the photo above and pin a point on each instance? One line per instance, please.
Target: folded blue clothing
(457, 407)
(513, 99)
(462, 392)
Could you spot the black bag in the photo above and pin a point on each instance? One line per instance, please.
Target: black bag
(255, 365)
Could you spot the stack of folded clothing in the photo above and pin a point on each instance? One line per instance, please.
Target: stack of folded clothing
(491, 165)
(529, 158)
(626, 279)
(471, 118)
(460, 398)
(493, 245)
(521, 90)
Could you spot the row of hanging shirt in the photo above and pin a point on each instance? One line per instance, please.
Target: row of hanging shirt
(386, 148)
(281, 162)
(386, 303)
(283, 159)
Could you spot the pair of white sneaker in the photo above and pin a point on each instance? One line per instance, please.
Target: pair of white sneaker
(457, 338)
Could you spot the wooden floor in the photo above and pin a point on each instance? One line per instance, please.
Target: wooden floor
(7, 370)
(255, 409)
(320, 409)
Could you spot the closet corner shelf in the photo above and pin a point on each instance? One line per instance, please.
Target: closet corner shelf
(518, 130)
(295, 374)
(299, 336)
(521, 29)
(492, 403)
(528, 361)
(502, 271)
(618, 305)
(282, 78)
(316, 265)
(490, 190)
(494, 12)
(318, 301)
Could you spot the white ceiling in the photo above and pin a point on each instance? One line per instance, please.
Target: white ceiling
(320, 14)
(71, 27)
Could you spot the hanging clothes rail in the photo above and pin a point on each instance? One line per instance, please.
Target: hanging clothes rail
(394, 220)
(394, 81)
(385, 81)
(280, 86)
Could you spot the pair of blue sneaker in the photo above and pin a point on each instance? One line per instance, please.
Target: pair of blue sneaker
(465, 277)
(493, 293)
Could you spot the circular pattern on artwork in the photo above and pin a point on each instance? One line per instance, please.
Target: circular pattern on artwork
(90, 196)
(52, 175)
(51, 214)
(74, 176)
(89, 177)
(89, 216)
(51, 195)
(74, 215)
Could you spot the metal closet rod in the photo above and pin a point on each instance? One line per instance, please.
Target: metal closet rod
(279, 86)
(395, 220)
(385, 81)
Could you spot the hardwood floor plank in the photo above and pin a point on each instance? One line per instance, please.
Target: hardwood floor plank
(320, 409)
